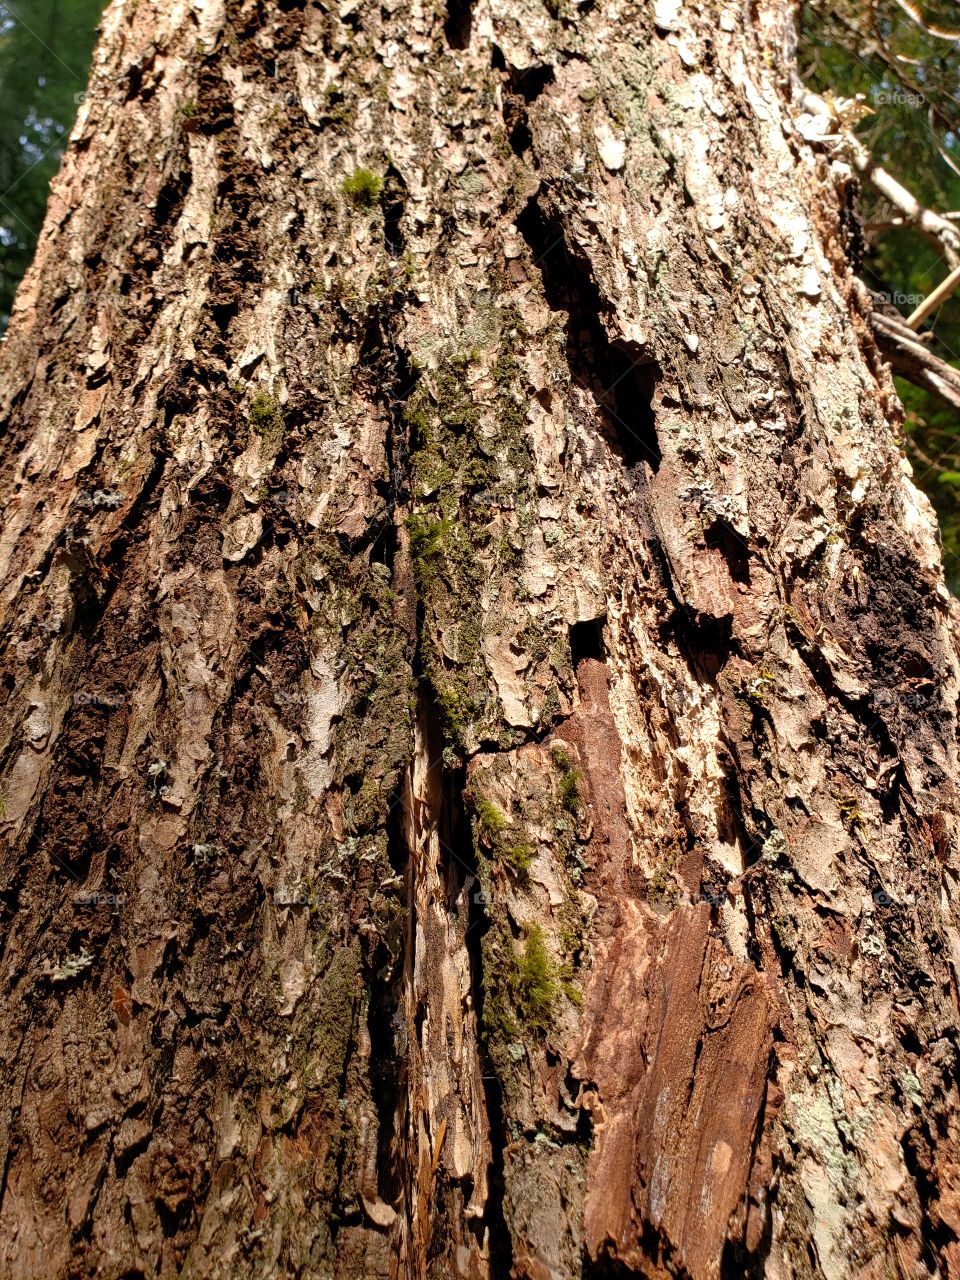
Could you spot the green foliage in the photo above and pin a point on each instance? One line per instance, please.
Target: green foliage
(909, 79)
(932, 433)
(43, 70)
(362, 188)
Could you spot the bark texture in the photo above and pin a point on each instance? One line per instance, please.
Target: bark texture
(479, 707)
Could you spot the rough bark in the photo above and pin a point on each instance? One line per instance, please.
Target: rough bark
(478, 743)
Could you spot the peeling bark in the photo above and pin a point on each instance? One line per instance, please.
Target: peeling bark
(478, 746)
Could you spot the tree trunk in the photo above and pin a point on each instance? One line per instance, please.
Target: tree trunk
(479, 741)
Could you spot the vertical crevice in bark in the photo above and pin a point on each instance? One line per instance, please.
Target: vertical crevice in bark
(919, 1146)
(522, 87)
(388, 1048)
(740, 1263)
(494, 1221)
(394, 206)
(706, 641)
(621, 381)
(722, 537)
(458, 25)
(456, 909)
(388, 1028)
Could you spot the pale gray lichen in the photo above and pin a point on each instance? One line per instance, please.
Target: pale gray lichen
(68, 968)
(775, 846)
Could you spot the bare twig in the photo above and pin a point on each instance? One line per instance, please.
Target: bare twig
(940, 294)
(912, 10)
(911, 359)
(911, 208)
(925, 458)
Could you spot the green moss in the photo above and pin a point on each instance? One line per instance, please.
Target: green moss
(849, 807)
(662, 886)
(461, 703)
(358, 622)
(362, 188)
(518, 856)
(463, 359)
(535, 985)
(455, 540)
(506, 370)
(415, 415)
(454, 401)
(431, 472)
(266, 416)
(499, 1024)
(507, 843)
(570, 791)
(478, 473)
(428, 540)
(573, 925)
(330, 1035)
(521, 991)
(757, 689)
(469, 635)
(572, 992)
(320, 1039)
(490, 821)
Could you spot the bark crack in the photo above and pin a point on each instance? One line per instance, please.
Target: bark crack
(621, 380)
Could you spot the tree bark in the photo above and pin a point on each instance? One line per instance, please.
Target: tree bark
(479, 714)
